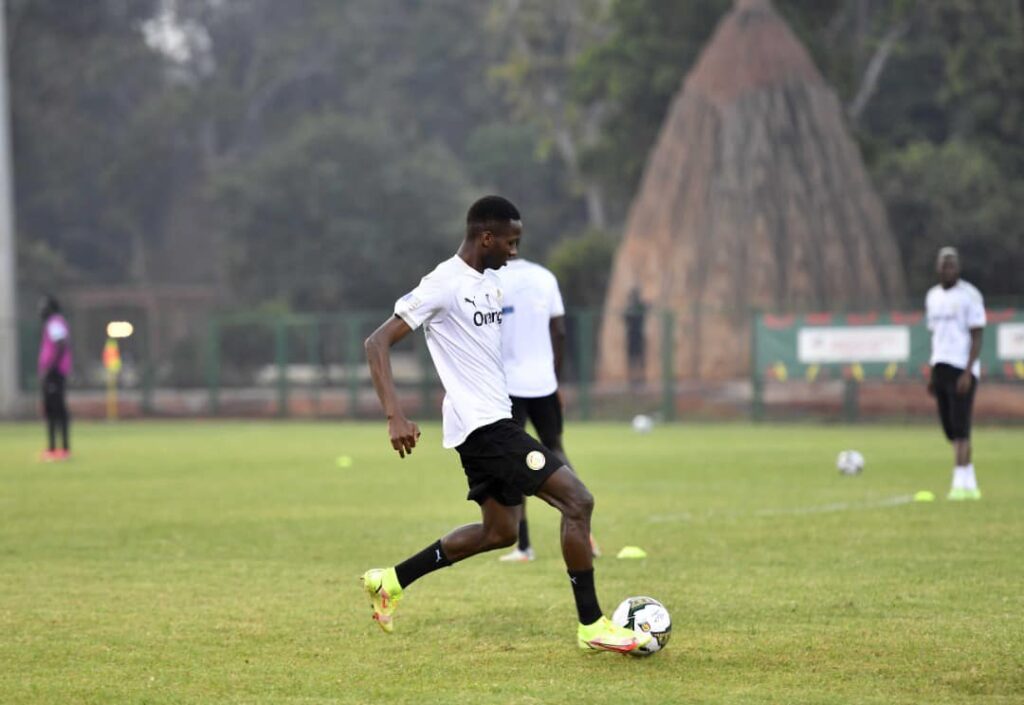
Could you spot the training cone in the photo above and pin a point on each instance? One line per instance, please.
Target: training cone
(632, 552)
(924, 496)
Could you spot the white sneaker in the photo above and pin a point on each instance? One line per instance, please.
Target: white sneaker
(518, 556)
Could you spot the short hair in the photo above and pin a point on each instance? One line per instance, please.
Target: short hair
(49, 303)
(944, 253)
(490, 209)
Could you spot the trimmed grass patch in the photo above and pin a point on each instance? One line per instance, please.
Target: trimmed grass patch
(219, 562)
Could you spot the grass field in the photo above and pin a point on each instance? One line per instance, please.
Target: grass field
(219, 563)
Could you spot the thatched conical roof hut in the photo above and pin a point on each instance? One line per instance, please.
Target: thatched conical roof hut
(754, 196)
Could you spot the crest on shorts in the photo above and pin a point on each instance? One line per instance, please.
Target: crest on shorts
(535, 460)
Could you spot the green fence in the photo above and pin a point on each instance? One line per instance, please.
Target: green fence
(317, 354)
(313, 364)
(285, 364)
(854, 347)
(272, 364)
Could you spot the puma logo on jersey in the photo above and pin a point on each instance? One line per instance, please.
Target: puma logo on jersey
(469, 301)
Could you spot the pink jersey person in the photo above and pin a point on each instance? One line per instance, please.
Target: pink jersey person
(54, 368)
(55, 331)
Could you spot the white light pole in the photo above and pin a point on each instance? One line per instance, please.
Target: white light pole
(8, 307)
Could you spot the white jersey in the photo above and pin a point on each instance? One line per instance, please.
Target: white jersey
(56, 329)
(951, 314)
(532, 299)
(460, 311)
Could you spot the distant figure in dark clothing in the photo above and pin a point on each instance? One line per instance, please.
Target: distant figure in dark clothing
(54, 368)
(636, 342)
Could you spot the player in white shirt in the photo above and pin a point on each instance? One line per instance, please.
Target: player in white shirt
(532, 346)
(956, 318)
(459, 305)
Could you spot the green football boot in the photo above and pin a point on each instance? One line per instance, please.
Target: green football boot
(381, 585)
(603, 635)
(962, 495)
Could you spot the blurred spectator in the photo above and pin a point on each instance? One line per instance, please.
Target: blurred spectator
(636, 342)
(54, 368)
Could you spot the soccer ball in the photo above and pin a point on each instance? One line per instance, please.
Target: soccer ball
(645, 615)
(642, 423)
(850, 462)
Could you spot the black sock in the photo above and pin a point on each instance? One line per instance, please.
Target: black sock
(586, 596)
(426, 561)
(51, 430)
(524, 535)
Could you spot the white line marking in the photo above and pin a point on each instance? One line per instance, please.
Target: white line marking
(787, 511)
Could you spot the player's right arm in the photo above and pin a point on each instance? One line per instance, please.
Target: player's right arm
(556, 329)
(403, 432)
(976, 320)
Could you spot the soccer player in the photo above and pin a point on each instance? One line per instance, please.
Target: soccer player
(532, 346)
(956, 318)
(459, 305)
(54, 368)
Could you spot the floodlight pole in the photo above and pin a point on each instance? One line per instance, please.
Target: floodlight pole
(8, 305)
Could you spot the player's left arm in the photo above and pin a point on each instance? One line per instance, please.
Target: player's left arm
(976, 320)
(963, 383)
(556, 328)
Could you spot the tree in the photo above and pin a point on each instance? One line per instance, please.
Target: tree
(983, 91)
(907, 71)
(955, 194)
(339, 213)
(583, 266)
(634, 73)
(503, 157)
(95, 139)
(545, 39)
(960, 179)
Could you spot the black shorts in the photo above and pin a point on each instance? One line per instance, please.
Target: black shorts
(503, 461)
(954, 409)
(545, 413)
